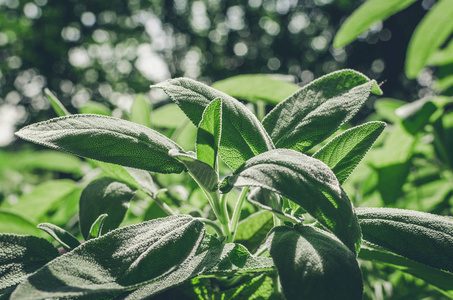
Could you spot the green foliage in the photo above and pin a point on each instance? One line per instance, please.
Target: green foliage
(222, 227)
(314, 264)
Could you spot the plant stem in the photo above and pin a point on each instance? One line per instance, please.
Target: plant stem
(213, 225)
(260, 109)
(167, 209)
(237, 211)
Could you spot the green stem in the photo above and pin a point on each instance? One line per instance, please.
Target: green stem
(237, 212)
(260, 109)
(167, 209)
(213, 225)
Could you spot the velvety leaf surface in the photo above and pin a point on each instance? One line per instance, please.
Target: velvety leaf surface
(436, 277)
(317, 110)
(209, 133)
(314, 264)
(106, 139)
(20, 256)
(222, 259)
(423, 42)
(419, 236)
(103, 195)
(140, 111)
(242, 134)
(366, 15)
(256, 87)
(252, 231)
(343, 153)
(118, 261)
(305, 181)
(66, 239)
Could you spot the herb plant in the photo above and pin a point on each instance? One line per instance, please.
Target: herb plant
(303, 241)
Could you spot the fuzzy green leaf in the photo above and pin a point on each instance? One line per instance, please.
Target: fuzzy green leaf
(103, 195)
(203, 173)
(435, 28)
(57, 106)
(256, 87)
(317, 110)
(314, 264)
(92, 107)
(118, 261)
(252, 231)
(436, 277)
(419, 236)
(20, 256)
(106, 139)
(242, 134)
(343, 153)
(96, 227)
(140, 111)
(366, 15)
(209, 133)
(305, 181)
(66, 240)
(228, 259)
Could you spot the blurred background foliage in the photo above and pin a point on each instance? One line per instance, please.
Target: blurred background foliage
(102, 56)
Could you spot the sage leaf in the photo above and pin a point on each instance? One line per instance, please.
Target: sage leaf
(366, 15)
(256, 87)
(106, 139)
(218, 259)
(140, 111)
(423, 43)
(202, 172)
(343, 153)
(118, 261)
(103, 195)
(20, 256)
(57, 106)
(436, 277)
(243, 136)
(209, 132)
(96, 227)
(305, 181)
(314, 264)
(66, 239)
(419, 236)
(252, 231)
(317, 110)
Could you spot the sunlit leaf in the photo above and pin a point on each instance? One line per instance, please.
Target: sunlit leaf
(97, 226)
(256, 87)
(252, 231)
(242, 134)
(57, 106)
(140, 111)
(305, 181)
(209, 133)
(92, 107)
(419, 236)
(343, 153)
(314, 264)
(14, 222)
(106, 139)
(366, 15)
(423, 42)
(317, 110)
